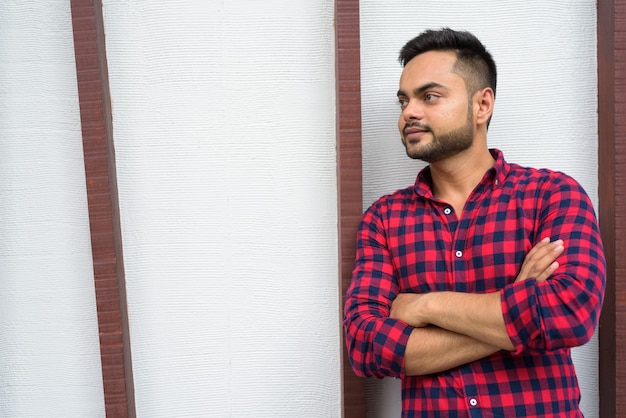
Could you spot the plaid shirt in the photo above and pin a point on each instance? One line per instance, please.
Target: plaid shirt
(411, 242)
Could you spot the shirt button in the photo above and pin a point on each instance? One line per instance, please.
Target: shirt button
(447, 211)
(473, 402)
(459, 254)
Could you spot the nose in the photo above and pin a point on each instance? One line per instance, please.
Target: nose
(412, 110)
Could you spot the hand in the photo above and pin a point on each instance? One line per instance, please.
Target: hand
(404, 307)
(540, 262)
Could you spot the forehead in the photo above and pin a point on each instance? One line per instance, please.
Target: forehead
(431, 67)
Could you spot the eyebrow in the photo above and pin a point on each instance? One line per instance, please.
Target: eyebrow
(422, 89)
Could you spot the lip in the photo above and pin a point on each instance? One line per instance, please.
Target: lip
(414, 133)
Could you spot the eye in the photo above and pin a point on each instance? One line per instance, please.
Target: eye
(429, 97)
(403, 102)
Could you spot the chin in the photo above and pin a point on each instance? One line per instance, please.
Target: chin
(414, 154)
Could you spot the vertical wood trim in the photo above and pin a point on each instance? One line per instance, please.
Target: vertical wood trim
(349, 174)
(102, 199)
(611, 34)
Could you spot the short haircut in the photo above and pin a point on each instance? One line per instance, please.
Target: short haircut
(474, 63)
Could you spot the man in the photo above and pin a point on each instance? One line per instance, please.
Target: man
(473, 284)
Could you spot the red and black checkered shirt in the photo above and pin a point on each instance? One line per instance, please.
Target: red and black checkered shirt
(411, 242)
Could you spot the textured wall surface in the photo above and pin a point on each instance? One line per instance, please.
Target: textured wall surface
(224, 121)
(224, 125)
(49, 352)
(545, 114)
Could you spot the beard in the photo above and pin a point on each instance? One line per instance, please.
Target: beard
(443, 145)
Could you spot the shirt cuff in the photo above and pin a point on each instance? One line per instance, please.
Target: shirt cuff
(390, 345)
(519, 309)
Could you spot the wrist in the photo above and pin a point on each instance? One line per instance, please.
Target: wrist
(436, 308)
(421, 310)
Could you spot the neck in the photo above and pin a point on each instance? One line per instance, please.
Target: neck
(456, 177)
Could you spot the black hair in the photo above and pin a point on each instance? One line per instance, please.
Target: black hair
(474, 62)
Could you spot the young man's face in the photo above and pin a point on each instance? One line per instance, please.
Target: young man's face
(437, 119)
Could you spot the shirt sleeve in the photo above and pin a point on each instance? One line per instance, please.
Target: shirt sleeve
(376, 343)
(562, 311)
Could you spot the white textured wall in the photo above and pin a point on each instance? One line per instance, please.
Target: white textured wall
(545, 113)
(49, 352)
(224, 124)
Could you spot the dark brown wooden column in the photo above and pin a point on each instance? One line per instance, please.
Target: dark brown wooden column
(100, 172)
(612, 205)
(348, 67)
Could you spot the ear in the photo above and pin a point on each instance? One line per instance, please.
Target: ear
(483, 105)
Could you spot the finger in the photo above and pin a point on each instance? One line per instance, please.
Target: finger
(530, 260)
(534, 255)
(542, 248)
(540, 258)
(544, 266)
(544, 252)
(547, 272)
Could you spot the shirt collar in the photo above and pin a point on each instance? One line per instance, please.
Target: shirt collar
(494, 177)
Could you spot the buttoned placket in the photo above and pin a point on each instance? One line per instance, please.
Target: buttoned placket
(449, 212)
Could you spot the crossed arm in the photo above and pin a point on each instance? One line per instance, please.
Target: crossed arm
(452, 329)
(394, 334)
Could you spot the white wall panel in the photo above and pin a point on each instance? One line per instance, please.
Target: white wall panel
(49, 349)
(224, 125)
(545, 113)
